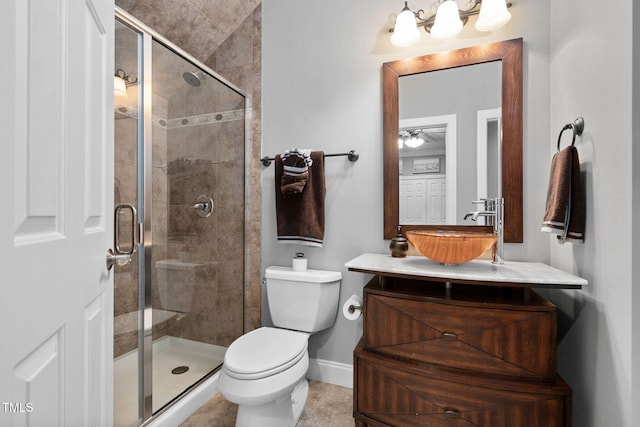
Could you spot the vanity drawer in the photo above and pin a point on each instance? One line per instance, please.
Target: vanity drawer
(512, 340)
(395, 393)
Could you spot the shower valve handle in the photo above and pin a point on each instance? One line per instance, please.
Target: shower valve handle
(203, 205)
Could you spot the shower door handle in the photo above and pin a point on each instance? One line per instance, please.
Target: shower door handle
(116, 229)
(118, 254)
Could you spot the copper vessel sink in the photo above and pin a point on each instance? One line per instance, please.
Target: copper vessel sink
(451, 247)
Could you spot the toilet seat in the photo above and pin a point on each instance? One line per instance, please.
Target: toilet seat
(264, 352)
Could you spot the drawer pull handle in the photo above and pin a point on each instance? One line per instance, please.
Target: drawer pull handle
(449, 335)
(451, 413)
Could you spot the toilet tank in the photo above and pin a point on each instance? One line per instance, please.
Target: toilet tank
(302, 300)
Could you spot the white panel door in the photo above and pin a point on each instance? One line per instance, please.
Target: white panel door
(413, 200)
(56, 175)
(436, 201)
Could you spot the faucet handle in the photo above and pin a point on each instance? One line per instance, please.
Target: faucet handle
(489, 204)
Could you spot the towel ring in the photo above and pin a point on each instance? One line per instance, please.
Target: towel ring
(577, 126)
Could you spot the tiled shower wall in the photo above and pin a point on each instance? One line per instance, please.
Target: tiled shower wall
(205, 156)
(237, 58)
(226, 36)
(193, 154)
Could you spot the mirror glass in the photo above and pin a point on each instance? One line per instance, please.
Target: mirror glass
(440, 126)
(453, 135)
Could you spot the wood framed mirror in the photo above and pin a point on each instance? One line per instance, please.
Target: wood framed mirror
(510, 54)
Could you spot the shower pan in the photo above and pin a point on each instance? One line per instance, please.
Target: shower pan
(179, 196)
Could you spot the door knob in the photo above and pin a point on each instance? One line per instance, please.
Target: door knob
(122, 259)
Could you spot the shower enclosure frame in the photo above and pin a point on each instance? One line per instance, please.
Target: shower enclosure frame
(145, 247)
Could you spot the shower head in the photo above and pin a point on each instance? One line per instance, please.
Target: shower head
(194, 78)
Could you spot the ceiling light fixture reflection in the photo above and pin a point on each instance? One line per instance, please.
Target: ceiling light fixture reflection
(412, 138)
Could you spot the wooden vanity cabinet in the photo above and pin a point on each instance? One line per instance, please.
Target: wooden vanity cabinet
(393, 392)
(480, 329)
(434, 354)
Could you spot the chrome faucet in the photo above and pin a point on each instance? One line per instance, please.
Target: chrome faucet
(494, 213)
(474, 215)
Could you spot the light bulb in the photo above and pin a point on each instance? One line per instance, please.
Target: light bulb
(493, 15)
(447, 23)
(405, 32)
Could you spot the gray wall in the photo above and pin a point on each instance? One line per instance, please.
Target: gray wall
(322, 90)
(595, 354)
(321, 79)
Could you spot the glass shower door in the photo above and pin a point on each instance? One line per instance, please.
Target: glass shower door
(127, 317)
(197, 222)
(179, 159)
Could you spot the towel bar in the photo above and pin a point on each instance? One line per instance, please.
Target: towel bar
(577, 126)
(353, 156)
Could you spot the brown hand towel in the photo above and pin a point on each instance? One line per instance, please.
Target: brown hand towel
(300, 216)
(295, 173)
(565, 210)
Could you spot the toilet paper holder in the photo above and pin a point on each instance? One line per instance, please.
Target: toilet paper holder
(353, 308)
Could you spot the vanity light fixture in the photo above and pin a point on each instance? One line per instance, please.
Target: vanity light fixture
(448, 19)
(121, 81)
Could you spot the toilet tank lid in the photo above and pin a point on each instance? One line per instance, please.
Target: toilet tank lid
(314, 276)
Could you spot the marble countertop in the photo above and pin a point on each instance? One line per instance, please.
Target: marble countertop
(515, 273)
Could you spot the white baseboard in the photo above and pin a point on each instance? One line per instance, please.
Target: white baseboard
(330, 372)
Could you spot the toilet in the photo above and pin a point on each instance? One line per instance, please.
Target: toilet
(264, 370)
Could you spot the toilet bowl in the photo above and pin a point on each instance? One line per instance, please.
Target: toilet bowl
(264, 370)
(261, 371)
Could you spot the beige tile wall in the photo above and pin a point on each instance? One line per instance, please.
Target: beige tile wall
(236, 55)
(239, 59)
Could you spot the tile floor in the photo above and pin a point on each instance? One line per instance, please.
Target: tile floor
(328, 405)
